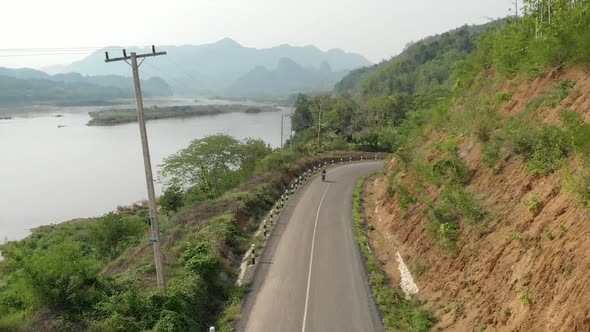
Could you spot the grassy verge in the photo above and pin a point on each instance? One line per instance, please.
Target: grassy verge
(119, 116)
(398, 312)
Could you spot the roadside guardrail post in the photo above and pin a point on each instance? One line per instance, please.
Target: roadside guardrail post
(253, 254)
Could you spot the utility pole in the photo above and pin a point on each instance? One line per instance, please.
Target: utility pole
(319, 124)
(155, 227)
(282, 135)
(291, 133)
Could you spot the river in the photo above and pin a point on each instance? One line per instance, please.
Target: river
(50, 174)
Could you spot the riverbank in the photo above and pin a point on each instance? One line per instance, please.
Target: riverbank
(120, 116)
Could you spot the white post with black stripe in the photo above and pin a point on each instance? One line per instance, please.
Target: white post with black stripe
(253, 254)
(265, 231)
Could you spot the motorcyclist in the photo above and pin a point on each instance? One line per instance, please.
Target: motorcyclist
(323, 174)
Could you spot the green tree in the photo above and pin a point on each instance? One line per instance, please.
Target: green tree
(111, 234)
(63, 276)
(213, 164)
(172, 199)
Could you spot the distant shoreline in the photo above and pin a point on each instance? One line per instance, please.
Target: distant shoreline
(121, 116)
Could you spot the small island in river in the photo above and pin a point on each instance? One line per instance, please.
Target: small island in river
(119, 116)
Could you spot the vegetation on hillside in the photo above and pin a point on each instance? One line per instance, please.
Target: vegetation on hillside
(471, 104)
(98, 274)
(28, 87)
(423, 66)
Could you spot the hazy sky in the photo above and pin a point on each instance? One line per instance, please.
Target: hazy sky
(376, 29)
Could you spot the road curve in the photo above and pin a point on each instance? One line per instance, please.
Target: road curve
(311, 277)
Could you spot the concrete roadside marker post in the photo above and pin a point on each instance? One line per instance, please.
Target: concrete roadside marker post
(212, 329)
(332, 162)
(253, 254)
(349, 159)
(265, 229)
(341, 160)
(375, 156)
(361, 158)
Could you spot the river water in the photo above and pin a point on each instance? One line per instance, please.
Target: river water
(50, 174)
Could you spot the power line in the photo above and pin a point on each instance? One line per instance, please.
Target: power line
(43, 54)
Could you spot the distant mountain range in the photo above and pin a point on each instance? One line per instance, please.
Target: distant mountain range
(29, 86)
(226, 68)
(287, 78)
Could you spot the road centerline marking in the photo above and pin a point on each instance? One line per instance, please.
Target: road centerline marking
(317, 217)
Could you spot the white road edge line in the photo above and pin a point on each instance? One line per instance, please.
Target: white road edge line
(317, 217)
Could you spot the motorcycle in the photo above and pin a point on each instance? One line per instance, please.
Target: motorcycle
(324, 176)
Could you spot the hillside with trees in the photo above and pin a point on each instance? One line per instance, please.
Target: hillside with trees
(424, 65)
(30, 87)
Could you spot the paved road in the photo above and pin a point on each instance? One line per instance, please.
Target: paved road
(311, 277)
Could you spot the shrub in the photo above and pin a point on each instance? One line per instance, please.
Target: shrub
(502, 97)
(277, 162)
(113, 233)
(579, 184)
(551, 147)
(515, 236)
(484, 123)
(405, 196)
(450, 170)
(567, 268)
(64, 277)
(219, 231)
(201, 260)
(544, 147)
(577, 130)
(519, 137)
(523, 295)
(534, 204)
(172, 199)
(182, 308)
(390, 191)
(454, 204)
(491, 152)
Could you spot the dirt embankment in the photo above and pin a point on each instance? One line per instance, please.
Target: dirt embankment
(524, 270)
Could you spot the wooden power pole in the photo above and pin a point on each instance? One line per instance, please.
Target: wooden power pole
(155, 227)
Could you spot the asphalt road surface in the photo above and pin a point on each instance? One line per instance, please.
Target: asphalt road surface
(311, 277)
